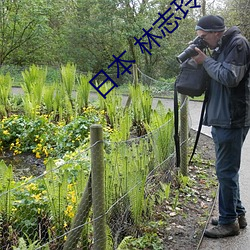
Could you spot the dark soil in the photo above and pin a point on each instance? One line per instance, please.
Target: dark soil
(186, 224)
(25, 164)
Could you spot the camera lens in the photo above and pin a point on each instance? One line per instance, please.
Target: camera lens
(190, 51)
(187, 53)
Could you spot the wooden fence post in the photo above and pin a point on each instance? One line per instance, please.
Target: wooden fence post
(184, 135)
(135, 81)
(80, 218)
(98, 195)
(135, 74)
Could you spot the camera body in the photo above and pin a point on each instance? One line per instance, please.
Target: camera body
(190, 51)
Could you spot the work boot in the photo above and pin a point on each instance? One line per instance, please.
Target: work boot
(221, 230)
(241, 219)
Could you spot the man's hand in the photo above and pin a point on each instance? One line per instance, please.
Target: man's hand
(200, 58)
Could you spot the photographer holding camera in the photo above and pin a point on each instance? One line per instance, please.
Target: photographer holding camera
(228, 112)
(190, 50)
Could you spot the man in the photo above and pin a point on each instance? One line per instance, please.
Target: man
(228, 112)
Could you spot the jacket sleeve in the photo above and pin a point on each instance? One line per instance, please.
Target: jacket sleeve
(234, 66)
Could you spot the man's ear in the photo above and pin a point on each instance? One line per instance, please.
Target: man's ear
(219, 34)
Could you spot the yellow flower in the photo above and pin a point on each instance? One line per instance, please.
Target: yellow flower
(17, 152)
(37, 196)
(14, 209)
(6, 132)
(69, 211)
(71, 194)
(45, 151)
(103, 112)
(38, 156)
(73, 199)
(31, 187)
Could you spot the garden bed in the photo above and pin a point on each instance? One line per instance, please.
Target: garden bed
(178, 222)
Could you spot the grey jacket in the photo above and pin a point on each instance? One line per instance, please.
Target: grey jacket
(228, 103)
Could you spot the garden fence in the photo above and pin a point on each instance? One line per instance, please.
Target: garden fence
(100, 202)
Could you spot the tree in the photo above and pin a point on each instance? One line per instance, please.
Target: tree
(102, 28)
(89, 33)
(239, 15)
(20, 22)
(94, 34)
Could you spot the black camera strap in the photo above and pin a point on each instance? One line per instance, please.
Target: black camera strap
(199, 127)
(176, 127)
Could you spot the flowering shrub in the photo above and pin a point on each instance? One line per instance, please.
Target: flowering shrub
(30, 204)
(35, 204)
(44, 137)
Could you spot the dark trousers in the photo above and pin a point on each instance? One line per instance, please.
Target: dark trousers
(228, 145)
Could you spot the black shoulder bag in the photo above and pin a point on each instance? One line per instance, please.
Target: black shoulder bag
(192, 79)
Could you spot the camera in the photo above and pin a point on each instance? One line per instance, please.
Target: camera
(190, 51)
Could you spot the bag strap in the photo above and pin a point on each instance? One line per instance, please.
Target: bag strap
(199, 127)
(176, 126)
